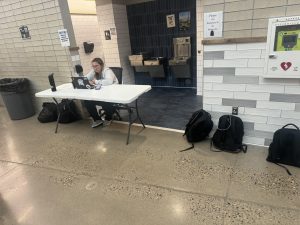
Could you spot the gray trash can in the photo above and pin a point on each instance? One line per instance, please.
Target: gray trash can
(17, 98)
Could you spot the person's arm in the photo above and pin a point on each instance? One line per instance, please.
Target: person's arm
(91, 75)
(108, 78)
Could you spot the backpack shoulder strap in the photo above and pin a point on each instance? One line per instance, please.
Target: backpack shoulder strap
(189, 148)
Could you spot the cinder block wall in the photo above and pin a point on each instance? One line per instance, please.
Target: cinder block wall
(113, 14)
(233, 72)
(249, 18)
(33, 58)
(86, 28)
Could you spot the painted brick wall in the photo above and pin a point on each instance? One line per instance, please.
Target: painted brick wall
(117, 49)
(33, 58)
(124, 47)
(249, 18)
(86, 28)
(233, 77)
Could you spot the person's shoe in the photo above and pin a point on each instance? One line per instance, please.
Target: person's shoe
(106, 123)
(97, 123)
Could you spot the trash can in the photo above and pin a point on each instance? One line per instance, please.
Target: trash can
(16, 96)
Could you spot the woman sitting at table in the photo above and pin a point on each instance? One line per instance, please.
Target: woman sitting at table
(98, 76)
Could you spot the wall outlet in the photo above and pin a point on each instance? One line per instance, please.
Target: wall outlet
(235, 110)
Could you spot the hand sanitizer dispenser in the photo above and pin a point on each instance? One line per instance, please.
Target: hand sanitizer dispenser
(283, 48)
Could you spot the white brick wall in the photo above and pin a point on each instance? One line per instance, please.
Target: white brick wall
(213, 79)
(242, 54)
(229, 87)
(39, 56)
(254, 141)
(275, 105)
(246, 71)
(263, 112)
(265, 88)
(86, 29)
(230, 63)
(117, 49)
(268, 115)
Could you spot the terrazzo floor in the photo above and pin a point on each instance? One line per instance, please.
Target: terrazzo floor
(90, 176)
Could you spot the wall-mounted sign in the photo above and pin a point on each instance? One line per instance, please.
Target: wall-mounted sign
(283, 48)
(170, 20)
(107, 35)
(64, 38)
(213, 24)
(113, 31)
(24, 32)
(184, 20)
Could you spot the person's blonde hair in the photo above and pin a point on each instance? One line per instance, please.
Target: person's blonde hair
(99, 61)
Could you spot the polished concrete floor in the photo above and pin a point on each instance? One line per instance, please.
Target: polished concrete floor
(85, 176)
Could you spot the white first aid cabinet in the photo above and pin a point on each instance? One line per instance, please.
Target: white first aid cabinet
(283, 48)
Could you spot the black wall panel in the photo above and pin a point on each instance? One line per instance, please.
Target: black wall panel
(149, 33)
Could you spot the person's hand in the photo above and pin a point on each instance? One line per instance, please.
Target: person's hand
(92, 82)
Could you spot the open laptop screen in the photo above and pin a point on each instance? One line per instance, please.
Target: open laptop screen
(81, 83)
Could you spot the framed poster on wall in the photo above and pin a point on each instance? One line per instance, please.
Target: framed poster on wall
(184, 20)
(107, 35)
(170, 20)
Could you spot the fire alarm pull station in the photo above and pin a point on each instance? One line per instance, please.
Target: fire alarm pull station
(283, 48)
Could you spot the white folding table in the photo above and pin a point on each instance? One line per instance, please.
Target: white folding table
(119, 94)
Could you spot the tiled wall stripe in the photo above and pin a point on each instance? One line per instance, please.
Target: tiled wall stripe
(239, 102)
(213, 55)
(219, 71)
(241, 79)
(284, 98)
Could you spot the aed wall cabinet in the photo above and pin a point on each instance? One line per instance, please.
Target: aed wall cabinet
(283, 48)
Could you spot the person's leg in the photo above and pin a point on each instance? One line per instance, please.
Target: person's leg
(91, 108)
(109, 110)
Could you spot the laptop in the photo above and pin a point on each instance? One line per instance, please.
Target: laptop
(81, 83)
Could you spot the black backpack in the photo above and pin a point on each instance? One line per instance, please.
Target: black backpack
(48, 113)
(198, 127)
(68, 112)
(285, 147)
(229, 135)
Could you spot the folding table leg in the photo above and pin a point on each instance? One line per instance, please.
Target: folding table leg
(137, 113)
(130, 122)
(57, 122)
(58, 116)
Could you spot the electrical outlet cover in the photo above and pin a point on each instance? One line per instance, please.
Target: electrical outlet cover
(235, 110)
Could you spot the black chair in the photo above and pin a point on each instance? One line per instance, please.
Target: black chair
(118, 71)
